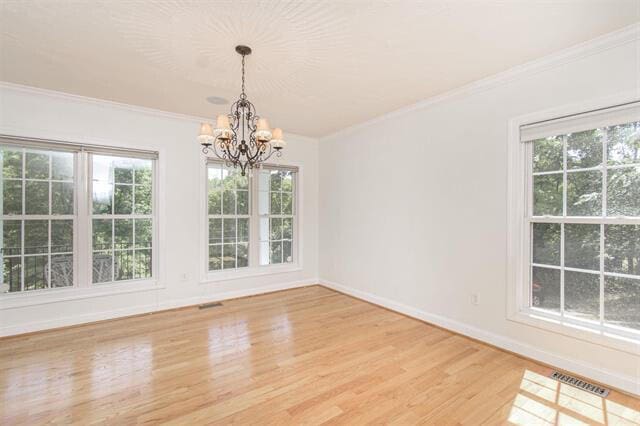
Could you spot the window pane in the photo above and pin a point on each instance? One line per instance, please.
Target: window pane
(215, 257)
(229, 230)
(547, 195)
(287, 203)
(11, 163)
(143, 199)
(242, 182)
(287, 228)
(582, 295)
(12, 237)
(102, 266)
(144, 233)
(123, 265)
(37, 166)
(584, 149)
(286, 252)
(243, 255)
(623, 146)
(143, 170)
(35, 272)
(62, 270)
(228, 256)
(12, 197)
(123, 173)
(229, 202)
(102, 234)
(546, 243)
(275, 180)
(622, 249)
(545, 288)
(276, 203)
(276, 228)
(243, 230)
(584, 193)
(276, 252)
(229, 179)
(61, 236)
(36, 197)
(123, 199)
(287, 182)
(623, 192)
(143, 263)
(547, 154)
(621, 301)
(123, 234)
(62, 198)
(243, 202)
(215, 230)
(215, 201)
(102, 197)
(36, 237)
(582, 246)
(62, 166)
(12, 273)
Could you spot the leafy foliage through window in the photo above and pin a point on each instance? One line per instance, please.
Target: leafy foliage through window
(585, 225)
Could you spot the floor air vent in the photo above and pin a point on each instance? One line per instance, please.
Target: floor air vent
(209, 305)
(580, 384)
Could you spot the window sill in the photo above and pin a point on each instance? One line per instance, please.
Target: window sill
(42, 297)
(236, 274)
(604, 337)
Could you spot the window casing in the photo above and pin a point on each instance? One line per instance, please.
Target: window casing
(258, 227)
(578, 261)
(47, 235)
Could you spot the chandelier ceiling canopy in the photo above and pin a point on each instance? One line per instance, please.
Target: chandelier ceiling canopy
(242, 138)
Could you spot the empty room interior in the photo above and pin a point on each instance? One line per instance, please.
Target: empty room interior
(286, 212)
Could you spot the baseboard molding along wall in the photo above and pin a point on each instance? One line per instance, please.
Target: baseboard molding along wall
(625, 383)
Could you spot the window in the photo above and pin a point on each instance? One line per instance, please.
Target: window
(582, 220)
(122, 220)
(58, 197)
(228, 206)
(38, 218)
(251, 220)
(276, 216)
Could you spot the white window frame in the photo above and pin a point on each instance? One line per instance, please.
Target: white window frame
(519, 181)
(83, 286)
(254, 269)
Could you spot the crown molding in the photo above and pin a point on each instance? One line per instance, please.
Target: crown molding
(626, 35)
(121, 106)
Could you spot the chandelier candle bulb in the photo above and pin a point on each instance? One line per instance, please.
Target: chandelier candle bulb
(206, 134)
(263, 133)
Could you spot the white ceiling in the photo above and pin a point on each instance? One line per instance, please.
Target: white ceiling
(317, 67)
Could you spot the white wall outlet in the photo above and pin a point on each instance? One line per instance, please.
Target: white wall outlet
(184, 277)
(474, 299)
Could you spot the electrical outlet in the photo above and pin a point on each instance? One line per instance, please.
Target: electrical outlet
(474, 299)
(184, 277)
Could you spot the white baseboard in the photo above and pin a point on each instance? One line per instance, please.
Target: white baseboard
(625, 383)
(145, 309)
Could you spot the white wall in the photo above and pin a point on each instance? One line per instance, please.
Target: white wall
(413, 206)
(36, 113)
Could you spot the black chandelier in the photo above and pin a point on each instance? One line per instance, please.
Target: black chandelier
(242, 138)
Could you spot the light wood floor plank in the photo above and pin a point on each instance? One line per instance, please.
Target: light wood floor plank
(303, 356)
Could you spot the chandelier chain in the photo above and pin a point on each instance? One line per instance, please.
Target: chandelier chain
(243, 95)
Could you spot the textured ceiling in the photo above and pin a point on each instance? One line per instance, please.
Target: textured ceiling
(317, 67)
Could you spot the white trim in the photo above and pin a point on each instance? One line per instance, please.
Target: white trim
(626, 383)
(608, 41)
(147, 308)
(65, 294)
(519, 220)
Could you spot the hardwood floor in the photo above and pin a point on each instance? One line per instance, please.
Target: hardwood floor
(308, 355)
